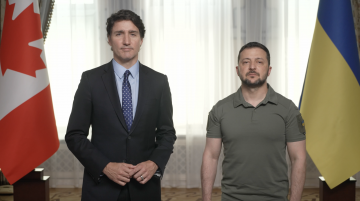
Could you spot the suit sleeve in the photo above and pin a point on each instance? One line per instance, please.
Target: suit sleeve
(165, 131)
(78, 129)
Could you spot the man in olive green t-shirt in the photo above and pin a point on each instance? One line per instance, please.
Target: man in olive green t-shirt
(255, 124)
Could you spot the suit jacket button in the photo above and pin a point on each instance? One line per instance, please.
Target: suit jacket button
(129, 138)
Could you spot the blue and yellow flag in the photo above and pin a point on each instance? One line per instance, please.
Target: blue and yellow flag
(330, 102)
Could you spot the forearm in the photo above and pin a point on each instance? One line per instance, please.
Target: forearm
(88, 155)
(297, 179)
(208, 173)
(163, 150)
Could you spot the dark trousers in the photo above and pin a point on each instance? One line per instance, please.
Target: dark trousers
(124, 193)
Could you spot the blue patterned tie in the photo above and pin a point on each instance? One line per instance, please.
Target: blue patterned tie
(127, 100)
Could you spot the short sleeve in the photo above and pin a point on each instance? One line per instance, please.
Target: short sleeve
(213, 129)
(295, 125)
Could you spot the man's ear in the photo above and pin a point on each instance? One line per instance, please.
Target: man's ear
(269, 71)
(108, 41)
(238, 70)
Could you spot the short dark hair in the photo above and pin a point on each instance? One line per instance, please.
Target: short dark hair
(255, 44)
(125, 15)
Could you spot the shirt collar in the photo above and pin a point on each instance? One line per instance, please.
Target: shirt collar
(120, 70)
(270, 97)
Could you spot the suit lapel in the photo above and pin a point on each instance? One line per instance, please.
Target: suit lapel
(143, 83)
(110, 85)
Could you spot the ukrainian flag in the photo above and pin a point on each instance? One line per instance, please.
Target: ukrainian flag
(330, 102)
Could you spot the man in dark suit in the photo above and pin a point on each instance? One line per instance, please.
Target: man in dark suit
(129, 108)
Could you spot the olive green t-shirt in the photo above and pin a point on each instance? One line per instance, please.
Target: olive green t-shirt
(254, 140)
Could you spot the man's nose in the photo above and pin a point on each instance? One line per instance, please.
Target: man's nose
(252, 66)
(126, 40)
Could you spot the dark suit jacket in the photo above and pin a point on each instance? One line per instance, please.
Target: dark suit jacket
(151, 137)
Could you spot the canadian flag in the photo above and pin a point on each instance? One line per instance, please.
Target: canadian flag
(28, 134)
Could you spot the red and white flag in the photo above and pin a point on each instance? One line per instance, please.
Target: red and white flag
(28, 134)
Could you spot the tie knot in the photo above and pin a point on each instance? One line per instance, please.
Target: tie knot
(127, 73)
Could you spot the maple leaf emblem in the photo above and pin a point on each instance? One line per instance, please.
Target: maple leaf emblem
(21, 46)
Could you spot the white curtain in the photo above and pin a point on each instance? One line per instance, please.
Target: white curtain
(195, 43)
(72, 46)
(192, 43)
